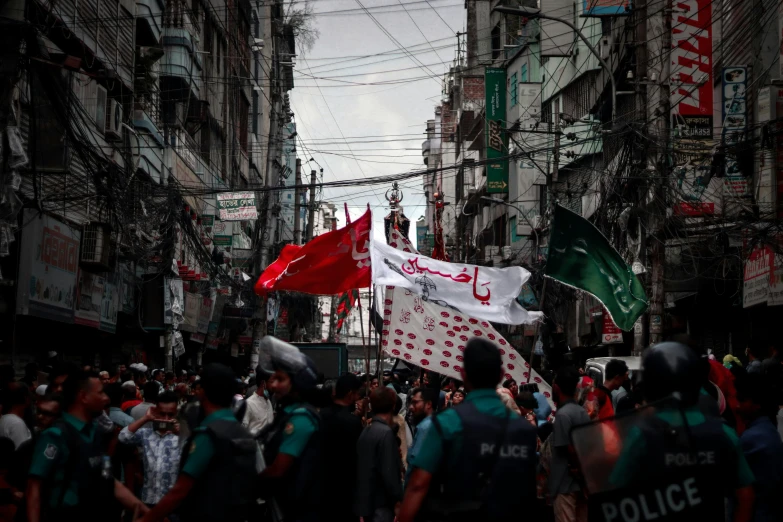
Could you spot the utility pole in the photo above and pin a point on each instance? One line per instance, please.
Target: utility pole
(298, 204)
(311, 206)
(332, 319)
(659, 32)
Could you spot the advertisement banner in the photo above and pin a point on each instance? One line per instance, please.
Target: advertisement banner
(48, 268)
(496, 138)
(192, 310)
(173, 298)
(606, 7)
(129, 285)
(735, 124)
(237, 206)
(691, 68)
(110, 303)
(755, 288)
(89, 297)
(765, 187)
(205, 314)
(223, 241)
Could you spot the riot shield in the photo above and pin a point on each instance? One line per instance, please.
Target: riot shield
(647, 465)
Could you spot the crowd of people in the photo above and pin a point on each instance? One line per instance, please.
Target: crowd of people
(278, 443)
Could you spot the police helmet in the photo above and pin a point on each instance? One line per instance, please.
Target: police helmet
(672, 369)
(279, 355)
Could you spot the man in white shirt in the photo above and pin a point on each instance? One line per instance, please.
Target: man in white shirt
(15, 402)
(259, 412)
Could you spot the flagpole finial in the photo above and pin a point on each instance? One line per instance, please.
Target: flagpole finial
(395, 198)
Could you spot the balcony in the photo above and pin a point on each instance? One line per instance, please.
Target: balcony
(180, 67)
(149, 22)
(148, 155)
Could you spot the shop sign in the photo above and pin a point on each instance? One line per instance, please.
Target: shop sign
(237, 206)
(48, 268)
(223, 241)
(606, 7)
(755, 288)
(611, 332)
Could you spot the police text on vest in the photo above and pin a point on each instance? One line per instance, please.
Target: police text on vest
(513, 451)
(653, 504)
(701, 458)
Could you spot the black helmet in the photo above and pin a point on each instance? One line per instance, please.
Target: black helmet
(672, 369)
(280, 355)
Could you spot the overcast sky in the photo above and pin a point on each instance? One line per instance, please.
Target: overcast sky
(338, 108)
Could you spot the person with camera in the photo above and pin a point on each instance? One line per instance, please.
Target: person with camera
(157, 433)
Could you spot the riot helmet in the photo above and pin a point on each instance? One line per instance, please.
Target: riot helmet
(276, 355)
(672, 369)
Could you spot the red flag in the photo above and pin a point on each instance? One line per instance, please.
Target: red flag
(332, 263)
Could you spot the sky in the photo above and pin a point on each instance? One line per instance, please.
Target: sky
(334, 115)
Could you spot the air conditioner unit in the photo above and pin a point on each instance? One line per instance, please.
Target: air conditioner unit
(100, 108)
(96, 242)
(114, 121)
(506, 253)
(606, 47)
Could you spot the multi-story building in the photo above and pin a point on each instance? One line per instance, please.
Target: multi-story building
(130, 125)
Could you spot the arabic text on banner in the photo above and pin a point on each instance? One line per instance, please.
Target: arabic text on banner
(481, 292)
(433, 337)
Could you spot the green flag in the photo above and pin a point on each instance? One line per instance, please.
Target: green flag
(580, 256)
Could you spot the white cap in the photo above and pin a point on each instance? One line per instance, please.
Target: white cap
(41, 390)
(52, 354)
(129, 384)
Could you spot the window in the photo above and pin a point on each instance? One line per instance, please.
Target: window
(245, 108)
(496, 48)
(256, 26)
(512, 85)
(523, 73)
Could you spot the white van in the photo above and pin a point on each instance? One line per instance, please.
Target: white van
(595, 368)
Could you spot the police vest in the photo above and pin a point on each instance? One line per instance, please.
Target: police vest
(494, 475)
(682, 476)
(226, 489)
(298, 493)
(83, 467)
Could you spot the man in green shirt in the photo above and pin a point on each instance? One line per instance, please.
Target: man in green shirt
(218, 464)
(477, 461)
(69, 478)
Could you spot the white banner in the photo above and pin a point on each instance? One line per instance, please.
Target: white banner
(481, 292)
(433, 337)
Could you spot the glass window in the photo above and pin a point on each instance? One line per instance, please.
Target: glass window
(514, 89)
(523, 73)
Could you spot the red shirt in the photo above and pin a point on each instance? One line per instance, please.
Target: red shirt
(129, 404)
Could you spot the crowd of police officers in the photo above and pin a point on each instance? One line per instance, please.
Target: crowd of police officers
(478, 464)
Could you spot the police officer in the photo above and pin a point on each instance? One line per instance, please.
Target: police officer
(292, 443)
(70, 475)
(478, 460)
(677, 463)
(218, 465)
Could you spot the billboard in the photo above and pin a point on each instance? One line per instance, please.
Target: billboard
(606, 7)
(496, 139)
(691, 69)
(48, 268)
(735, 124)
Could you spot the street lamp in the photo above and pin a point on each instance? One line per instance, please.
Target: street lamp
(533, 13)
(521, 213)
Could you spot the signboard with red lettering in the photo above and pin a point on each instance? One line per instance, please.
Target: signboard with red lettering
(48, 267)
(755, 288)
